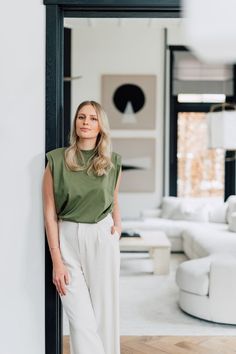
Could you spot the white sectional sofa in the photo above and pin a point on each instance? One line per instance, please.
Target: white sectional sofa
(205, 230)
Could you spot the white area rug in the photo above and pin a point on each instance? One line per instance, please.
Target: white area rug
(149, 303)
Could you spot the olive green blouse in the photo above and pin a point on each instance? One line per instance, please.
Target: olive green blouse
(80, 197)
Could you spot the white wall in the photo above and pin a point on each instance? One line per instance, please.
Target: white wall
(130, 48)
(22, 131)
(22, 146)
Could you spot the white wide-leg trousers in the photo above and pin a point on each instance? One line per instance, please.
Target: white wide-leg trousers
(91, 254)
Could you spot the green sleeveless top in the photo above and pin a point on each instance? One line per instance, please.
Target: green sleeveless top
(80, 197)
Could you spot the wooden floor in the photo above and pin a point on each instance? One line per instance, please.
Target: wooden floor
(172, 345)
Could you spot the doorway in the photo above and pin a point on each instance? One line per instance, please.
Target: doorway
(56, 11)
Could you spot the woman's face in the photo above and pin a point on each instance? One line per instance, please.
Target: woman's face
(87, 124)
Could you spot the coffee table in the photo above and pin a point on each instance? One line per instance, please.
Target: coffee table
(156, 242)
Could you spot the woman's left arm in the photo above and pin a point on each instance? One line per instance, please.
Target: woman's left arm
(116, 210)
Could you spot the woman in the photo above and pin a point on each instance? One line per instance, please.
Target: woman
(83, 227)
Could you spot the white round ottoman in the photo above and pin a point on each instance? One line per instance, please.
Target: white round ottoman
(208, 287)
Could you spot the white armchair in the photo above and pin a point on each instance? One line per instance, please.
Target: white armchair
(208, 287)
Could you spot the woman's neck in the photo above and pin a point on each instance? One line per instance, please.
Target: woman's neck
(86, 145)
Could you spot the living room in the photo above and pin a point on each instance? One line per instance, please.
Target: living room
(176, 194)
(160, 313)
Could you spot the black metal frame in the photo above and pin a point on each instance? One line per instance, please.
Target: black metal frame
(67, 85)
(56, 11)
(175, 108)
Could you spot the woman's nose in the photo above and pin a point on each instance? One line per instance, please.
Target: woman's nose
(86, 121)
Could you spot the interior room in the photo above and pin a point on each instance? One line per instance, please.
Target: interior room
(165, 73)
(177, 186)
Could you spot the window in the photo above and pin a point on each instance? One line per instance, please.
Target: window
(200, 170)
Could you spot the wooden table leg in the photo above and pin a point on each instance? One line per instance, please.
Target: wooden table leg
(161, 260)
(151, 252)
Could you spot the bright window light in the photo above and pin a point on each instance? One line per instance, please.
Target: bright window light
(182, 97)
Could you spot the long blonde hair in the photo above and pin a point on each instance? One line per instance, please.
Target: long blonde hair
(100, 162)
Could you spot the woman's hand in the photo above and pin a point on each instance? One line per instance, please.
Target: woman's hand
(60, 277)
(115, 228)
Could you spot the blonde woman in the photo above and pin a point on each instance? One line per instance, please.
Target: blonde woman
(83, 227)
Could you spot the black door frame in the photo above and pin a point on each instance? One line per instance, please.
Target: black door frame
(67, 85)
(175, 108)
(56, 11)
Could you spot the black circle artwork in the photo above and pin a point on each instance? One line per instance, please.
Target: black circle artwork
(129, 93)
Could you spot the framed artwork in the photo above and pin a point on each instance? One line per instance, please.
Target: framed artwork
(138, 163)
(129, 101)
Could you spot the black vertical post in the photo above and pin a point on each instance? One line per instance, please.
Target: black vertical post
(54, 77)
(164, 115)
(230, 165)
(67, 84)
(54, 139)
(173, 173)
(229, 174)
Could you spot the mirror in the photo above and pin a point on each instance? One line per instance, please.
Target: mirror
(100, 54)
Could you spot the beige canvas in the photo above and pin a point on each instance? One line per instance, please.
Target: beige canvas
(138, 163)
(130, 101)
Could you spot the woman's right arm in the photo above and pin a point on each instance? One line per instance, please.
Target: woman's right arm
(50, 216)
(60, 273)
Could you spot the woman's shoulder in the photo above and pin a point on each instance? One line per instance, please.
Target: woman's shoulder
(116, 154)
(116, 157)
(56, 152)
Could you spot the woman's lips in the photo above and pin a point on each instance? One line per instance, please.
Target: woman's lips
(84, 129)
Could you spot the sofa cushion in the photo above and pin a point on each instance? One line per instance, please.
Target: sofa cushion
(191, 211)
(172, 228)
(169, 204)
(231, 202)
(193, 276)
(217, 213)
(150, 213)
(232, 222)
(205, 240)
